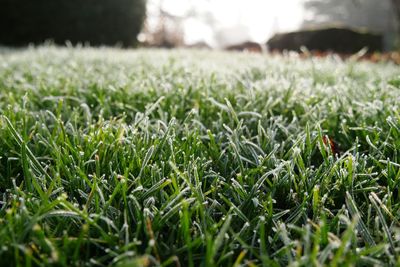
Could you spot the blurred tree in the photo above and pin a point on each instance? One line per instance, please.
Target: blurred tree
(164, 26)
(98, 22)
(396, 5)
(168, 31)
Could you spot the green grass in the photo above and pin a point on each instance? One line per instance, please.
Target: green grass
(190, 158)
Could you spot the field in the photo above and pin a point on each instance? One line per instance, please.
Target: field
(196, 158)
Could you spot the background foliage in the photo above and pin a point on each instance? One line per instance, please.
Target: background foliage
(98, 22)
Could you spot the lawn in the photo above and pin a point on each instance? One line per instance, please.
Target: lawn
(197, 158)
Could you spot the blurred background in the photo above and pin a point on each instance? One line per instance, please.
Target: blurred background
(343, 26)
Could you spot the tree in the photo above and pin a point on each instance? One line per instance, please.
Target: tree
(167, 32)
(396, 5)
(99, 22)
(165, 28)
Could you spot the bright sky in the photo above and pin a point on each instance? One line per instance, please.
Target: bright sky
(234, 20)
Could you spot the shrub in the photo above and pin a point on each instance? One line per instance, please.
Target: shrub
(339, 40)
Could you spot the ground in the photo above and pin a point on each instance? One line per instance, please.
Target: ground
(197, 158)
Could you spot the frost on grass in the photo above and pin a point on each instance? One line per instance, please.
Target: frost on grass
(197, 158)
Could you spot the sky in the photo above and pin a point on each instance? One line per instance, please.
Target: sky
(233, 21)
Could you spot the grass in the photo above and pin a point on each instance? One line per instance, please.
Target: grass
(190, 158)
